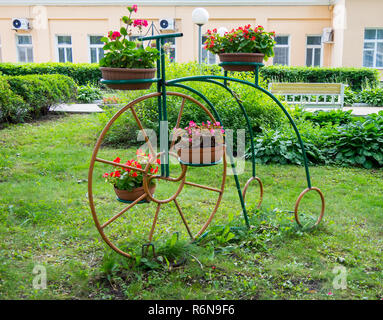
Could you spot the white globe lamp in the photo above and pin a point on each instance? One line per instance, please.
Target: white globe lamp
(200, 16)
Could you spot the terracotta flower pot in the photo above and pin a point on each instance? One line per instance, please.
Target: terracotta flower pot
(240, 57)
(134, 194)
(201, 155)
(128, 74)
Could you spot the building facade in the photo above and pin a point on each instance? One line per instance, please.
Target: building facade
(329, 33)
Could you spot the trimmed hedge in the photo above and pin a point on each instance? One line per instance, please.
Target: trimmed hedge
(356, 78)
(82, 73)
(85, 73)
(12, 107)
(29, 97)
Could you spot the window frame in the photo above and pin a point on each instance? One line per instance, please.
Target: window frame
(375, 52)
(96, 46)
(288, 45)
(18, 45)
(65, 45)
(207, 51)
(314, 46)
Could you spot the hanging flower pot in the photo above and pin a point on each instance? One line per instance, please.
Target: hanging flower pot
(128, 74)
(134, 194)
(240, 57)
(128, 60)
(128, 182)
(200, 144)
(201, 155)
(244, 44)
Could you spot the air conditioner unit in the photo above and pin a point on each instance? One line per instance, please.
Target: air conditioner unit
(328, 35)
(167, 24)
(20, 24)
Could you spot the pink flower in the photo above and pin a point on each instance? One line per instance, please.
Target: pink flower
(114, 35)
(134, 7)
(330, 293)
(140, 23)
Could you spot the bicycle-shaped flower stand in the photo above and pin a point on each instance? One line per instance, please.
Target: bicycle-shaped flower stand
(161, 96)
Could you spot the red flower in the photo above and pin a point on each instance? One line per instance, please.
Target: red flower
(158, 161)
(117, 174)
(114, 35)
(105, 175)
(134, 174)
(253, 38)
(117, 160)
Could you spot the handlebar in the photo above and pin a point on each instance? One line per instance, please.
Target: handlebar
(161, 36)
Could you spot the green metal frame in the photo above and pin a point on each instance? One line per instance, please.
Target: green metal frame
(162, 85)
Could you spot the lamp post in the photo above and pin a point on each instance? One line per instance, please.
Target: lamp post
(200, 16)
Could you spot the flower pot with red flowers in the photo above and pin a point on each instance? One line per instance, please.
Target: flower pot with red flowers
(128, 60)
(128, 183)
(241, 45)
(200, 144)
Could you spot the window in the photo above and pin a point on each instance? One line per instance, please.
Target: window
(170, 44)
(207, 56)
(64, 48)
(24, 48)
(282, 50)
(96, 53)
(313, 51)
(373, 48)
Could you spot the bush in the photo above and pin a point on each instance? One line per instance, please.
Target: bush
(88, 94)
(282, 146)
(371, 96)
(324, 118)
(262, 111)
(359, 143)
(38, 93)
(12, 107)
(354, 77)
(356, 143)
(81, 73)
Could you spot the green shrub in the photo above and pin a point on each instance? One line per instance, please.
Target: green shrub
(282, 145)
(262, 111)
(38, 93)
(372, 96)
(350, 97)
(359, 143)
(356, 143)
(323, 118)
(88, 94)
(82, 73)
(12, 107)
(354, 77)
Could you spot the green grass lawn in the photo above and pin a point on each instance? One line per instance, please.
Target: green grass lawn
(45, 220)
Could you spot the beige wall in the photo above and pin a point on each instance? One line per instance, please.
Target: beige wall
(296, 21)
(79, 22)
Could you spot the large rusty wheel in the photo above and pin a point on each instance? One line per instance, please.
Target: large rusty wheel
(152, 209)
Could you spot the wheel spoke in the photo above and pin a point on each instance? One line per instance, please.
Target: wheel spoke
(154, 222)
(143, 131)
(119, 165)
(203, 187)
(178, 120)
(183, 218)
(124, 210)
